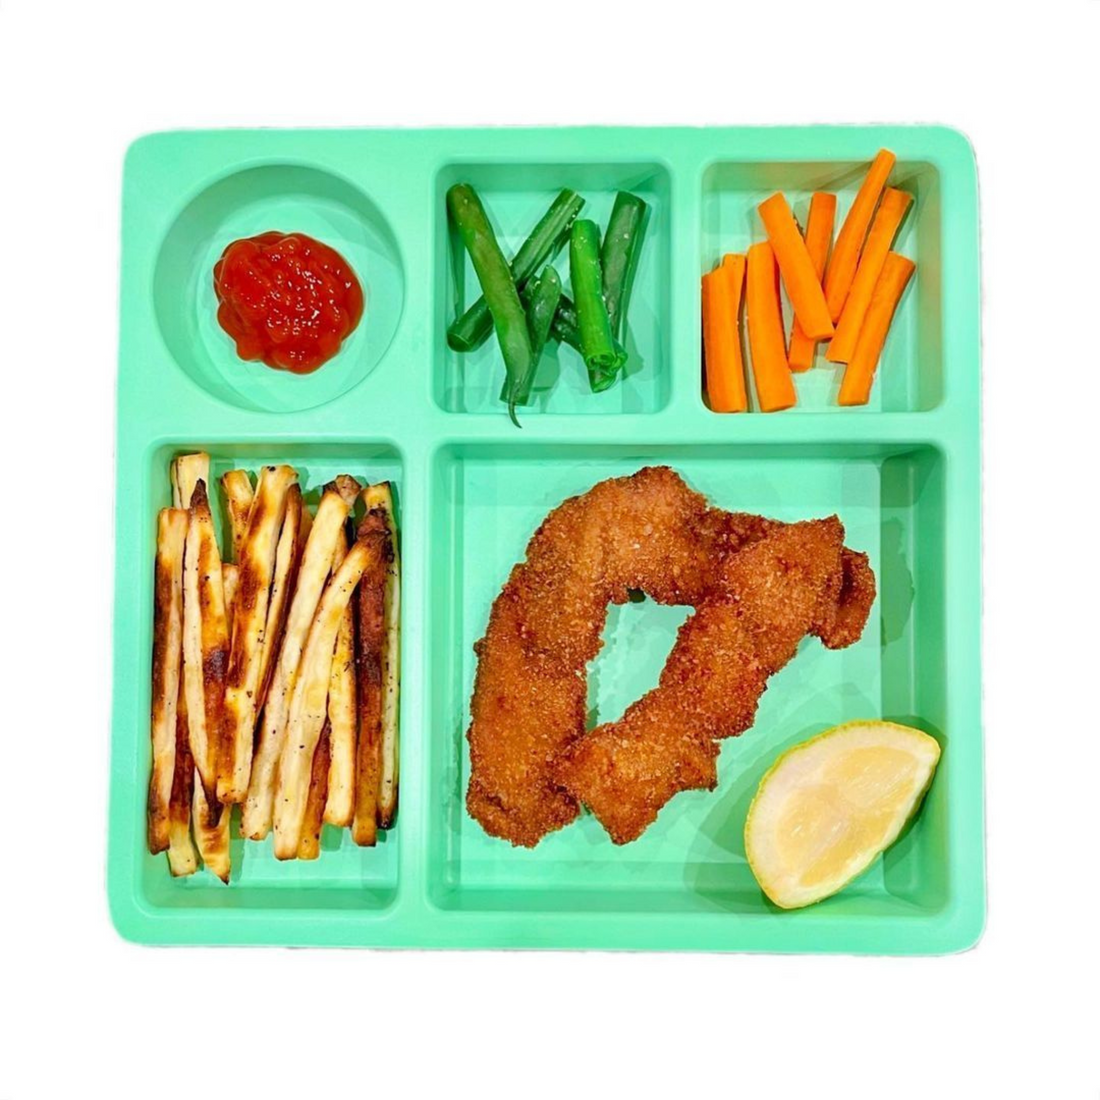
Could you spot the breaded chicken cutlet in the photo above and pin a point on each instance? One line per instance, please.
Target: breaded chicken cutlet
(769, 597)
(531, 761)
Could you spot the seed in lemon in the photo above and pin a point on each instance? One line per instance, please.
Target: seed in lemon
(827, 808)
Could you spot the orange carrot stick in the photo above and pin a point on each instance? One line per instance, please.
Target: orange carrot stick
(849, 243)
(819, 235)
(799, 277)
(721, 336)
(735, 263)
(883, 230)
(774, 388)
(855, 388)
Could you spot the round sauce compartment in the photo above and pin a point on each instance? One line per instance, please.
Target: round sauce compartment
(250, 203)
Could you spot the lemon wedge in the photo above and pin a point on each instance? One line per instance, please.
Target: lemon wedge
(826, 808)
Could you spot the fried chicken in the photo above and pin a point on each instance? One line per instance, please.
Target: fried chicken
(530, 758)
(530, 692)
(771, 595)
(526, 708)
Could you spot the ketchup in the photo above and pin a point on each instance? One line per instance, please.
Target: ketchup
(286, 299)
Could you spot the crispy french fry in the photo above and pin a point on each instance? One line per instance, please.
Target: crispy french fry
(205, 643)
(346, 486)
(306, 525)
(380, 498)
(238, 503)
(288, 554)
(340, 799)
(206, 835)
(256, 564)
(327, 528)
(230, 576)
(186, 472)
(308, 703)
(370, 644)
(167, 658)
(182, 857)
(212, 840)
(309, 847)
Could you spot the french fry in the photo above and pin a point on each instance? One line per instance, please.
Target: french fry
(205, 644)
(370, 657)
(167, 658)
(340, 800)
(186, 472)
(306, 525)
(327, 528)
(380, 498)
(238, 504)
(288, 554)
(309, 847)
(308, 703)
(182, 857)
(346, 486)
(230, 576)
(212, 840)
(256, 564)
(237, 490)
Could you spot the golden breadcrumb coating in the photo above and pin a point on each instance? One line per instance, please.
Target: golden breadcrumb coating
(759, 587)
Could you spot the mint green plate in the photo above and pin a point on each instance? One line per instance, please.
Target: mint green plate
(903, 474)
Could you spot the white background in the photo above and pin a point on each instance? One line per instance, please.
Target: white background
(82, 1013)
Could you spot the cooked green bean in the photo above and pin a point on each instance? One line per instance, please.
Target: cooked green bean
(593, 323)
(497, 285)
(622, 245)
(565, 329)
(545, 296)
(542, 294)
(471, 329)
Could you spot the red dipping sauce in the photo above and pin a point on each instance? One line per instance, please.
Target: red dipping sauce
(286, 299)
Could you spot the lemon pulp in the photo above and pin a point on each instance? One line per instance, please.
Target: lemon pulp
(829, 806)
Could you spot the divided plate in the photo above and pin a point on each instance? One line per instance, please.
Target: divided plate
(903, 474)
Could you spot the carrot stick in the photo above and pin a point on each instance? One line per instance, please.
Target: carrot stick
(803, 283)
(849, 243)
(774, 388)
(734, 263)
(721, 337)
(883, 230)
(855, 388)
(819, 235)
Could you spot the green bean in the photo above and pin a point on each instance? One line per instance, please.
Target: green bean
(471, 329)
(545, 296)
(542, 294)
(565, 330)
(565, 327)
(622, 245)
(497, 284)
(593, 323)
